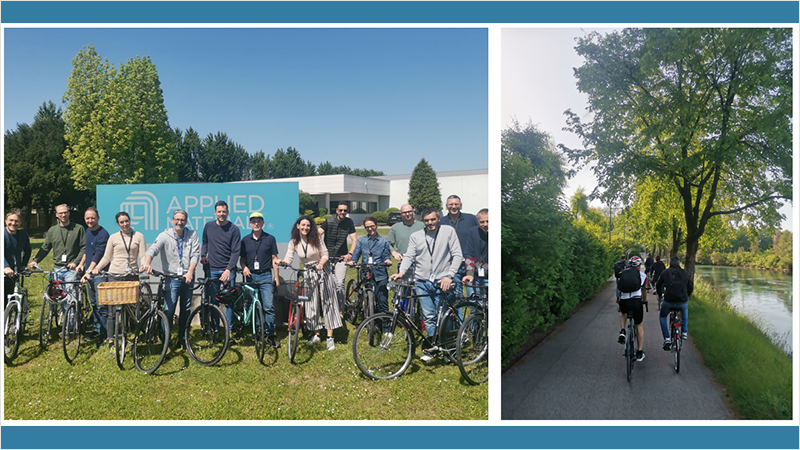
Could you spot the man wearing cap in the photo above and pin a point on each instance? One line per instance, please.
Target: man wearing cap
(180, 252)
(258, 255)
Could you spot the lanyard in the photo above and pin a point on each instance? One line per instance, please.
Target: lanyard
(177, 243)
(64, 239)
(258, 246)
(127, 247)
(430, 249)
(305, 248)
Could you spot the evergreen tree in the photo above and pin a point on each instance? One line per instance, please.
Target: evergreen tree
(423, 188)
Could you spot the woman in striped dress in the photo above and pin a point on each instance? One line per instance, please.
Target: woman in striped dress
(323, 303)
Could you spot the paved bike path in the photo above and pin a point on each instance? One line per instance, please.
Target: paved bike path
(578, 373)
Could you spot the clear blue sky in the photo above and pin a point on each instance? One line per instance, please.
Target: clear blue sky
(350, 96)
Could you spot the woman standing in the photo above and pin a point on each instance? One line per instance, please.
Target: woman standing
(313, 253)
(123, 252)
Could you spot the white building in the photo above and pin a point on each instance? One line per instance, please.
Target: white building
(372, 194)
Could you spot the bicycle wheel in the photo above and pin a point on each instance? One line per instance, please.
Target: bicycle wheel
(260, 331)
(207, 335)
(450, 324)
(630, 354)
(294, 331)
(472, 349)
(145, 298)
(351, 304)
(387, 357)
(369, 311)
(121, 336)
(71, 332)
(676, 346)
(86, 309)
(151, 342)
(46, 319)
(11, 332)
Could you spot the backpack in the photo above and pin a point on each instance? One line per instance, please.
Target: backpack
(619, 266)
(629, 280)
(675, 286)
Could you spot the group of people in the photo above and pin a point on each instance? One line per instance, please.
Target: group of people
(441, 256)
(674, 285)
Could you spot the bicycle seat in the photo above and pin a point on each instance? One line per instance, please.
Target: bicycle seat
(630, 314)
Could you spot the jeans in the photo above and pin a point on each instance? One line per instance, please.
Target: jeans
(662, 317)
(217, 286)
(265, 295)
(477, 282)
(459, 290)
(178, 290)
(100, 313)
(340, 273)
(67, 276)
(429, 304)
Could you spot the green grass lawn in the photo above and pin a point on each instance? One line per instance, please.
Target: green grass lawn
(40, 384)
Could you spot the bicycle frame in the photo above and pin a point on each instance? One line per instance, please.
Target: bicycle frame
(399, 312)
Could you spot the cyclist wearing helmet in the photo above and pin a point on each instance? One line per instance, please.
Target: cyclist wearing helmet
(633, 301)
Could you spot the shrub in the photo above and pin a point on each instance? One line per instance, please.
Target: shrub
(392, 209)
(321, 212)
(359, 211)
(319, 220)
(381, 217)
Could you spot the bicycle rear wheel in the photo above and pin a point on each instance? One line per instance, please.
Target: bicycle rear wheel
(151, 342)
(259, 334)
(383, 356)
(46, 319)
(207, 335)
(143, 303)
(369, 311)
(450, 324)
(295, 318)
(71, 332)
(351, 303)
(630, 353)
(676, 346)
(11, 332)
(472, 349)
(121, 336)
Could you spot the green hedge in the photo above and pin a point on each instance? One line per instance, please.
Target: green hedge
(381, 217)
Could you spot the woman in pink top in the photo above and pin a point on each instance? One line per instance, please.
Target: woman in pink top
(311, 250)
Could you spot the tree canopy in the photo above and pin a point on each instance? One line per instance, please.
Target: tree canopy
(423, 188)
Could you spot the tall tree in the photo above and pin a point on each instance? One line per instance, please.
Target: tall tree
(222, 160)
(259, 166)
(288, 163)
(707, 110)
(187, 157)
(423, 188)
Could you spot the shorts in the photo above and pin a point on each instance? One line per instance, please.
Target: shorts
(635, 305)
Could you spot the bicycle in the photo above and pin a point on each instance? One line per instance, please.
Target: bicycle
(52, 312)
(362, 294)
(630, 343)
(153, 330)
(128, 298)
(386, 355)
(408, 302)
(207, 340)
(16, 315)
(675, 341)
(472, 347)
(77, 316)
(297, 298)
(247, 310)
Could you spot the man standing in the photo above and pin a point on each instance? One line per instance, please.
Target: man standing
(336, 231)
(677, 287)
(16, 252)
(258, 255)
(374, 248)
(95, 243)
(461, 222)
(220, 250)
(437, 254)
(66, 239)
(180, 252)
(401, 231)
(476, 254)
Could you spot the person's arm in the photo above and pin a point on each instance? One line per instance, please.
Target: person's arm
(386, 253)
(142, 247)
(356, 253)
(243, 260)
(204, 247)
(194, 256)
(353, 239)
(289, 255)
(275, 271)
(26, 256)
(81, 249)
(455, 250)
(106, 257)
(7, 270)
(323, 251)
(236, 248)
(407, 259)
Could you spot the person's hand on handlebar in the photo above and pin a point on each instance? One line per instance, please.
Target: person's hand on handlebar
(467, 279)
(8, 271)
(397, 256)
(445, 283)
(146, 268)
(395, 277)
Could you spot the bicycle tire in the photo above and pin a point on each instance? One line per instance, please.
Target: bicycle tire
(86, 309)
(676, 347)
(259, 333)
(45, 323)
(151, 342)
(121, 337)
(630, 354)
(143, 303)
(11, 332)
(71, 332)
(472, 349)
(207, 341)
(369, 311)
(389, 357)
(447, 333)
(351, 304)
(294, 331)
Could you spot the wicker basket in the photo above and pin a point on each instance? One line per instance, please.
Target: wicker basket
(118, 292)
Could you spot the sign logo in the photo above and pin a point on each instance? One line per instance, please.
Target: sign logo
(142, 206)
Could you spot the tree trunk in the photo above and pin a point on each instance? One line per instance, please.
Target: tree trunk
(692, 245)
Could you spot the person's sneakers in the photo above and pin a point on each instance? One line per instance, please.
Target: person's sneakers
(275, 343)
(621, 338)
(684, 335)
(313, 340)
(330, 344)
(640, 356)
(667, 344)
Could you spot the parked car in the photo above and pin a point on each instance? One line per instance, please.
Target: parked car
(394, 217)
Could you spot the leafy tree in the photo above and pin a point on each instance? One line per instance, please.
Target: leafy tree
(307, 202)
(36, 174)
(423, 188)
(259, 166)
(222, 160)
(189, 148)
(706, 110)
(288, 164)
(367, 173)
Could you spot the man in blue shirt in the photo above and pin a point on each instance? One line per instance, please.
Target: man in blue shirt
(462, 222)
(476, 255)
(375, 249)
(17, 250)
(258, 255)
(220, 250)
(96, 239)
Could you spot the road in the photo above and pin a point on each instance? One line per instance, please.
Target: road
(578, 373)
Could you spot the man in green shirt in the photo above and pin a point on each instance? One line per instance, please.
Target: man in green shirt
(66, 239)
(400, 232)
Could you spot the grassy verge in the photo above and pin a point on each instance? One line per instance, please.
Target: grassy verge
(40, 384)
(756, 374)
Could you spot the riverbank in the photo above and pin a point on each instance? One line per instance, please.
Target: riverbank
(755, 373)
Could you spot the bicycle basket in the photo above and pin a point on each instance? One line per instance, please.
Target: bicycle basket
(228, 295)
(118, 292)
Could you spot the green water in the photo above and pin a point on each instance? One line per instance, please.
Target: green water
(763, 294)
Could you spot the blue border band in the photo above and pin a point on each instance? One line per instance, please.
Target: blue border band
(445, 437)
(401, 12)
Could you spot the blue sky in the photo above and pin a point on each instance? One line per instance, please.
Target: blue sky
(348, 96)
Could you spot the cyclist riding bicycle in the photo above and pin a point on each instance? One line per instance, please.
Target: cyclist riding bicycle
(655, 272)
(633, 296)
(619, 266)
(677, 286)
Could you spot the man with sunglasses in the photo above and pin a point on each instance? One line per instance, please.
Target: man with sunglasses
(401, 231)
(337, 230)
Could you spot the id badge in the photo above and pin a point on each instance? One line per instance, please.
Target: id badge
(128, 267)
(370, 260)
(256, 266)
(481, 272)
(180, 271)
(64, 258)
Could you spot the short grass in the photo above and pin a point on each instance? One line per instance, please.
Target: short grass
(40, 384)
(755, 373)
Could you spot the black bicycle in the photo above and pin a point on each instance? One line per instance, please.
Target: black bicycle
(207, 333)
(130, 299)
(16, 315)
(472, 346)
(153, 331)
(360, 298)
(675, 344)
(630, 343)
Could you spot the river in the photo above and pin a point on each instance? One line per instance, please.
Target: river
(764, 294)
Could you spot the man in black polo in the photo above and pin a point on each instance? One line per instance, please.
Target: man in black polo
(258, 256)
(336, 231)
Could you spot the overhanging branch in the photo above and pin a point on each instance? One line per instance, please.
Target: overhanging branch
(749, 205)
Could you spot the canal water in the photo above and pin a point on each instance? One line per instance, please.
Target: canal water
(764, 294)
